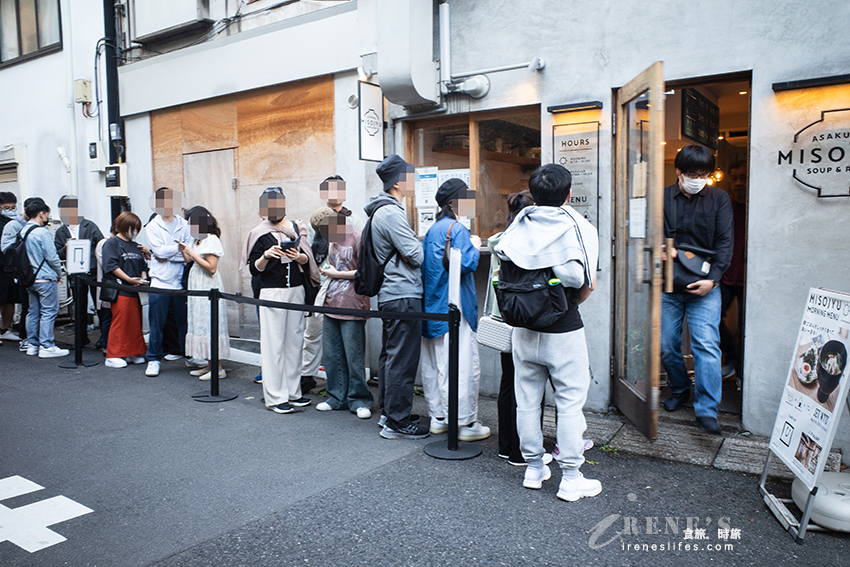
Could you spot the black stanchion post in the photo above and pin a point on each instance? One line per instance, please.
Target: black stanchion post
(80, 321)
(453, 449)
(214, 395)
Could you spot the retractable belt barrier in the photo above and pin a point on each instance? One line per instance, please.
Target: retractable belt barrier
(452, 449)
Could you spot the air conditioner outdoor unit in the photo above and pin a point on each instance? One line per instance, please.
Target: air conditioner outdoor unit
(153, 20)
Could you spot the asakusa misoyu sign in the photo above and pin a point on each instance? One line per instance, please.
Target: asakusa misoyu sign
(819, 158)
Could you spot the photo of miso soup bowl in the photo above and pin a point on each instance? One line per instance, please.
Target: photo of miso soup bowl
(832, 359)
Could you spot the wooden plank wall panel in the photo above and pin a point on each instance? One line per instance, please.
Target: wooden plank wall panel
(209, 125)
(167, 148)
(286, 138)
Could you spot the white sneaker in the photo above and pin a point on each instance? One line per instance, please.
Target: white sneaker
(208, 376)
(534, 477)
(196, 362)
(9, 335)
(364, 413)
(199, 371)
(727, 370)
(51, 352)
(438, 425)
(32, 350)
(572, 490)
(115, 363)
(324, 406)
(152, 369)
(475, 431)
(172, 357)
(24, 345)
(135, 359)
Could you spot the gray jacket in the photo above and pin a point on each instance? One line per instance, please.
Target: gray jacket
(390, 231)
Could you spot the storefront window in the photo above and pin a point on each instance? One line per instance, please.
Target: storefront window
(495, 151)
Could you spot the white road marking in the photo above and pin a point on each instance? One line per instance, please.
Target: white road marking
(26, 526)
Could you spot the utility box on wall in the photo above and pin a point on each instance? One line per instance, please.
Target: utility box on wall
(157, 19)
(116, 180)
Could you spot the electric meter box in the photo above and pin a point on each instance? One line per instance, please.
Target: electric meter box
(97, 157)
(116, 180)
(82, 90)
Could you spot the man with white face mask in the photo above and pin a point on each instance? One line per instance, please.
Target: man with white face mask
(699, 215)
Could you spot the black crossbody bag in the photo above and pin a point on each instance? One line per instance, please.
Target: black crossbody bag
(693, 263)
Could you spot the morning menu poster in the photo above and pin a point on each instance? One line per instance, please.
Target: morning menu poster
(816, 388)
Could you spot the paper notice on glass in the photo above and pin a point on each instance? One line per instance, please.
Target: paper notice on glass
(637, 218)
(445, 174)
(816, 386)
(426, 220)
(454, 277)
(426, 187)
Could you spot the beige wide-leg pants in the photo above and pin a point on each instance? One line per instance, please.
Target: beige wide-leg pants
(281, 336)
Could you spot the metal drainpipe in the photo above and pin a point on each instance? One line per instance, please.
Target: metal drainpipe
(68, 48)
(112, 101)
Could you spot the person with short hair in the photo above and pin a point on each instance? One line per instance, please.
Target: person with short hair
(205, 255)
(732, 283)
(164, 234)
(104, 308)
(9, 292)
(553, 235)
(44, 292)
(703, 218)
(344, 336)
(124, 260)
(10, 235)
(76, 227)
(397, 246)
(455, 200)
(271, 253)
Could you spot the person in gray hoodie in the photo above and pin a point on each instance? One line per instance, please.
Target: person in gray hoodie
(394, 239)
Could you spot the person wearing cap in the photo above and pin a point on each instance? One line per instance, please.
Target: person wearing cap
(455, 200)
(76, 227)
(396, 244)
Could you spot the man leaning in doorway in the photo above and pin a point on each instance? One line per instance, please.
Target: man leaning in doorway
(164, 231)
(703, 217)
(402, 292)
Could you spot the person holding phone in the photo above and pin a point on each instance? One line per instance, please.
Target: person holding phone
(277, 253)
(124, 259)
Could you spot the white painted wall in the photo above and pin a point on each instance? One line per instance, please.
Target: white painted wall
(37, 100)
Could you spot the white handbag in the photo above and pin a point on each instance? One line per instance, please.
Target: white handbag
(492, 331)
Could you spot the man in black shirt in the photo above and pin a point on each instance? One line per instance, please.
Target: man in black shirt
(700, 215)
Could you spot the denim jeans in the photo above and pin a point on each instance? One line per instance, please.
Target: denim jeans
(703, 315)
(343, 342)
(157, 314)
(44, 305)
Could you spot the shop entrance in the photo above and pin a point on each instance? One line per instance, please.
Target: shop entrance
(654, 121)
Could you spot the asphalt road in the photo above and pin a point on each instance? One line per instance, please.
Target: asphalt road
(174, 482)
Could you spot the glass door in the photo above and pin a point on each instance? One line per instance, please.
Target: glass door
(638, 237)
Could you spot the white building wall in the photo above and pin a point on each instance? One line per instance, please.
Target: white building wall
(37, 107)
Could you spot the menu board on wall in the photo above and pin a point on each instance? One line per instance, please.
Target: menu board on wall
(816, 386)
(576, 147)
(700, 118)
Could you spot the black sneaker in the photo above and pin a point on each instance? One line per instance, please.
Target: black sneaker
(412, 431)
(301, 402)
(282, 408)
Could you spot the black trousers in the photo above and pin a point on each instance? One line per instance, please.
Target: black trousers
(508, 436)
(399, 361)
(728, 344)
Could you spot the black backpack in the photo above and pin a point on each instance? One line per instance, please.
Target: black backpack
(533, 299)
(369, 276)
(18, 261)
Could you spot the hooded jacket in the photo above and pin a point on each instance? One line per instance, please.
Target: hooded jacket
(390, 231)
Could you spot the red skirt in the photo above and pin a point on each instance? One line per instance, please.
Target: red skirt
(125, 332)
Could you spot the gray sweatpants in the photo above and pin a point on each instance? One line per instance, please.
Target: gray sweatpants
(563, 356)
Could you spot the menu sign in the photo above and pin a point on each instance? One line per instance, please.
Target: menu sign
(700, 118)
(816, 388)
(576, 147)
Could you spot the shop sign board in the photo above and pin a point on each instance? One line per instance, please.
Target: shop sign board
(78, 257)
(576, 147)
(816, 386)
(371, 111)
(819, 157)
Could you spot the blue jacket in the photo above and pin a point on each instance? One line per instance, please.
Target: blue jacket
(40, 247)
(435, 277)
